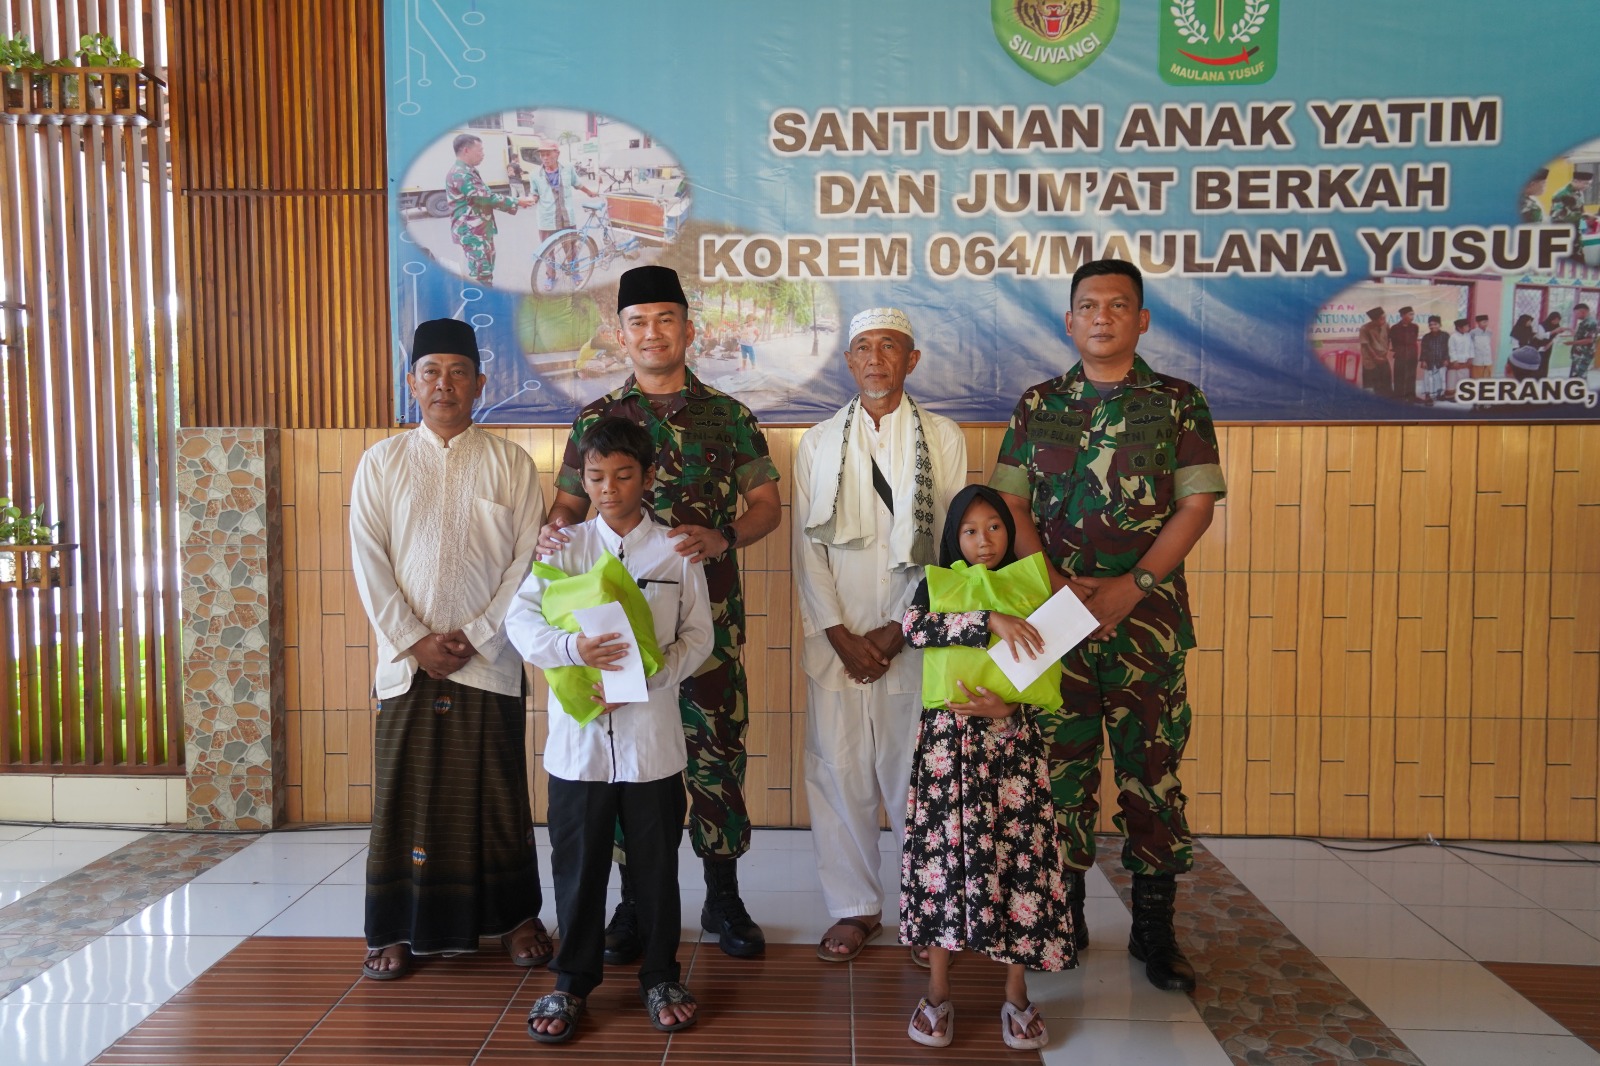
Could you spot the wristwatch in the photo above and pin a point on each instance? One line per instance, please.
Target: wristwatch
(730, 535)
(1144, 579)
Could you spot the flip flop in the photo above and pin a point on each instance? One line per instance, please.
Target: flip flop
(543, 948)
(401, 967)
(868, 934)
(945, 1012)
(920, 960)
(1021, 1019)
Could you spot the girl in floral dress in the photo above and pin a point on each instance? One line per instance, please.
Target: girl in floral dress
(980, 869)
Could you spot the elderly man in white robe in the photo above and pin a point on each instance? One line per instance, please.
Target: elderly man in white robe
(872, 484)
(443, 523)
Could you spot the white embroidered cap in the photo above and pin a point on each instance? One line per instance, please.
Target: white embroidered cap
(880, 318)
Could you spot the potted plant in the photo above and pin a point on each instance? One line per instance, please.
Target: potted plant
(19, 527)
(47, 99)
(16, 54)
(24, 527)
(99, 50)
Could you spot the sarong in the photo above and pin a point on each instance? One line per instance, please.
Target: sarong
(452, 855)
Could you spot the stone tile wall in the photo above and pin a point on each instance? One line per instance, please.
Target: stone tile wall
(230, 554)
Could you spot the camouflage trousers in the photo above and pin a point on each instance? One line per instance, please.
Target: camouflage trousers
(716, 715)
(479, 251)
(1139, 701)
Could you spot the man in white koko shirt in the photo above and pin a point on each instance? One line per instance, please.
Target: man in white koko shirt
(872, 484)
(443, 523)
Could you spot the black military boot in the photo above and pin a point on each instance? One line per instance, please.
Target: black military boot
(1152, 940)
(1075, 894)
(622, 935)
(724, 914)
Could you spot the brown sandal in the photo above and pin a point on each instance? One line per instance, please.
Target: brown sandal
(401, 967)
(542, 948)
(868, 934)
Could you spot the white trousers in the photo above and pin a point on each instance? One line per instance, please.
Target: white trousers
(858, 754)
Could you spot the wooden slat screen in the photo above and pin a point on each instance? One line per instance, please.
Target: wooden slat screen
(89, 672)
(277, 111)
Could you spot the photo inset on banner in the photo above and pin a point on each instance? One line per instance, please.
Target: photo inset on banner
(543, 201)
(766, 342)
(1564, 191)
(1468, 343)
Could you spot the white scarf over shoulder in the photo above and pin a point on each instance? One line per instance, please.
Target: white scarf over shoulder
(843, 500)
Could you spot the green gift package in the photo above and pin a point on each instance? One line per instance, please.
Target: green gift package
(1018, 589)
(607, 581)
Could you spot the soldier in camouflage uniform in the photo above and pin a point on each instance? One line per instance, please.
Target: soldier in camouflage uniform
(1112, 469)
(472, 208)
(1532, 210)
(711, 453)
(1567, 204)
(1585, 332)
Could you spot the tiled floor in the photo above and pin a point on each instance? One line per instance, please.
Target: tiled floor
(1306, 954)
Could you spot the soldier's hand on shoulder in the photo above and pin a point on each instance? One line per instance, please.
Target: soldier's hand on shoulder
(552, 537)
(697, 543)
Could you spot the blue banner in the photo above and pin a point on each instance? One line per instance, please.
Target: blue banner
(1362, 211)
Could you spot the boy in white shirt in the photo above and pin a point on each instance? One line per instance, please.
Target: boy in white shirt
(628, 763)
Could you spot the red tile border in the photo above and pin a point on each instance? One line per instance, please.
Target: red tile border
(301, 1001)
(1569, 994)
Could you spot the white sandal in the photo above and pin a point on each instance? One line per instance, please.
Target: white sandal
(1023, 1019)
(944, 1012)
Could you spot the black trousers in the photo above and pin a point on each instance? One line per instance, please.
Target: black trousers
(1377, 379)
(1405, 377)
(583, 820)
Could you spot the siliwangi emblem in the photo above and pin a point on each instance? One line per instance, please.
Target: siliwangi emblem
(1219, 42)
(1054, 39)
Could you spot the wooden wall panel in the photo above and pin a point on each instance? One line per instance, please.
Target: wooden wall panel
(1399, 634)
(277, 113)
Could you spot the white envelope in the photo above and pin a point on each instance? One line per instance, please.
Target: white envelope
(621, 686)
(1062, 621)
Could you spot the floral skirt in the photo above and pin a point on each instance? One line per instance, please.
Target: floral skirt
(981, 868)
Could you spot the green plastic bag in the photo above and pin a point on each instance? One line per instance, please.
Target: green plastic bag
(1018, 589)
(607, 581)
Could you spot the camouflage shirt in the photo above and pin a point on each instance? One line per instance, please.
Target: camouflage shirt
(1103, 475)
(473, 203)
(710, 451)
(1584, 334)
(1566, 205)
